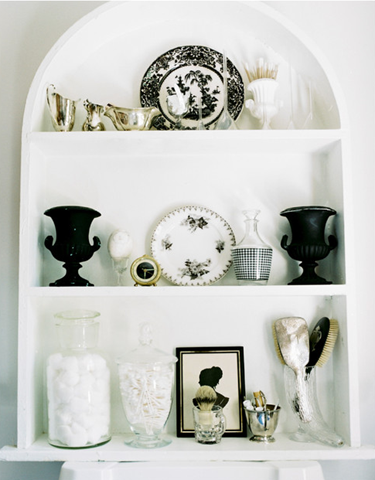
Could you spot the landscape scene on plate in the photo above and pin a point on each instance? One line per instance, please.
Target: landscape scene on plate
(207, 100)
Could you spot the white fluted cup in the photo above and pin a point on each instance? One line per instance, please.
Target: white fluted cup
(263, 105)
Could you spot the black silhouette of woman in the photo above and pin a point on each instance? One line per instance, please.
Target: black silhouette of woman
(211, 377)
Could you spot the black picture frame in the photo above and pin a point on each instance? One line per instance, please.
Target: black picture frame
(194, 366)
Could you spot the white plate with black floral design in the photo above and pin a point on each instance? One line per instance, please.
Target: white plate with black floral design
(198, 73)
(193, 246)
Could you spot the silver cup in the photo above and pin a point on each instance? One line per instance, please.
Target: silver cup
(263, 424)
(62, 110)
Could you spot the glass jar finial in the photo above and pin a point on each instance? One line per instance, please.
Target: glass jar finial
(145, 334)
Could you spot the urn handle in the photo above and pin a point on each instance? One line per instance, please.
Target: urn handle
(332, 241)
(96, 246)
(48, 242)
(283, 242)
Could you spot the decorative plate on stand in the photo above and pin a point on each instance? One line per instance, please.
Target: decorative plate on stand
(193, 246)
(198, 72)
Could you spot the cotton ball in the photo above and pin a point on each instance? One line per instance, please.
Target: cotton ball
(95, 433)
(63, 434)
(87, 421)
(97, 398)
(61, 392)
(104, 409)
(78, 437)
(69, 378)
(101, 425)
(87, 379)
(63, 415)
(51, 379)
(69, 363)
(99, 365)
(86, 363)
(79, 405)
(84, 387)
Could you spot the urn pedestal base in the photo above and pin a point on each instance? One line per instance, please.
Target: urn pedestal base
(72, 278)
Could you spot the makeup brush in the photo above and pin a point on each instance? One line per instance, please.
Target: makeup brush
(205, 398)
(322, 341)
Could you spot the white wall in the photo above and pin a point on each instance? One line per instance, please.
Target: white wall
(344, 32)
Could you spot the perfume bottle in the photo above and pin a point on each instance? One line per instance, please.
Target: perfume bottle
(252, 258)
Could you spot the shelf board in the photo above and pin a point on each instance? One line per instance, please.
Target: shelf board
(210, 142)
(186, 449)
(197, 291)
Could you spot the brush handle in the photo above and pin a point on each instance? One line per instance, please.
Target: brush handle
(206, 418)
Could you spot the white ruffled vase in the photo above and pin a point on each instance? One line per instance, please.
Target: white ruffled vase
(263, 105)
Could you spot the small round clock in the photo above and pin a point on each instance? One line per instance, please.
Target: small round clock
(145, 271)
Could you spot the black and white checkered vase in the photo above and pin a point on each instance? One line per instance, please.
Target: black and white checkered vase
(252, 263)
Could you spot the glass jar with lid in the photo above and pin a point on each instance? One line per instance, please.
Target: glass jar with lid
(78, 384)
(146, 377)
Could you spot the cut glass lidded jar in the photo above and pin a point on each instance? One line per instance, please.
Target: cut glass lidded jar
(146, 377)
(252, 258)
(78, 384)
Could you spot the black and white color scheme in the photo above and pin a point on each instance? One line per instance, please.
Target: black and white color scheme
(193, 246)
(252, 263)
(198, 73)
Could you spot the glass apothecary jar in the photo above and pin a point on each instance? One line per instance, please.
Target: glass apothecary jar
(78, 384)
(146, 377)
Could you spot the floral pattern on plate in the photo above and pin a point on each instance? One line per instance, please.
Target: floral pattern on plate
(193, 246)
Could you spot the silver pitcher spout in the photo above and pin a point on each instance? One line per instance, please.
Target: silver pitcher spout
(62, 110)
(131, 118)
(93, 121)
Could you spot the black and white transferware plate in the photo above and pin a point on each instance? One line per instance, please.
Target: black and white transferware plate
(193, 246)
(198, 73)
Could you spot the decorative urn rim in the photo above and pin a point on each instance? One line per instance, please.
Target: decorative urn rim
(62, 208)
(313, 208)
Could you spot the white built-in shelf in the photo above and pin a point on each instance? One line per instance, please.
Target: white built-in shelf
(186, 449)
(198, 291)
(174, 143)
(135, 178)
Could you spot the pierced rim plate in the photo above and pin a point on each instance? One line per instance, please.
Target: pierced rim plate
(198, 72)
(193, 246)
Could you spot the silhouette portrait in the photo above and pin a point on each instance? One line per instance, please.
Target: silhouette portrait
(220, 369)
(211, 377)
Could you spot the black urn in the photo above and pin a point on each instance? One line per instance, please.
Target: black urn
(308, 244)
(72, 245)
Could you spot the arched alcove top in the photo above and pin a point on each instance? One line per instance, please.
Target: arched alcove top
(104, 56)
